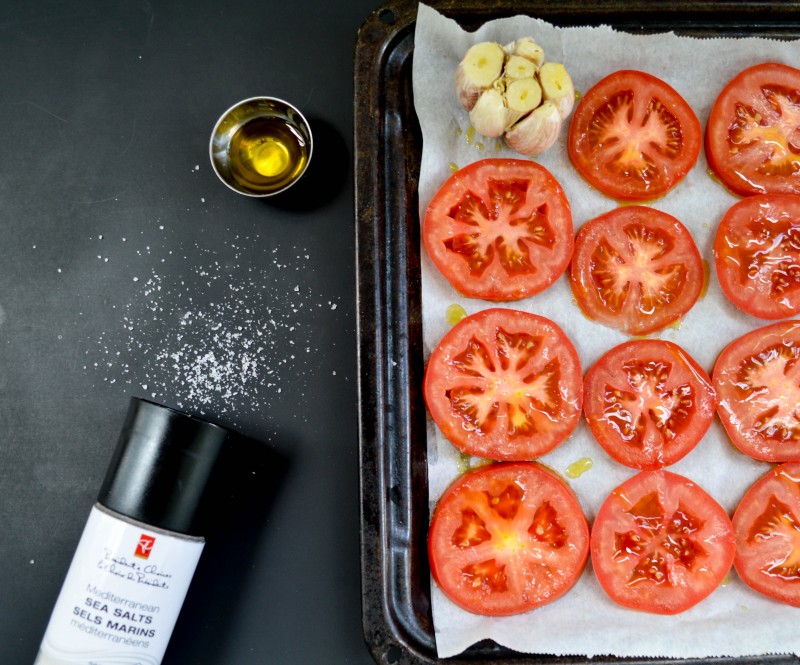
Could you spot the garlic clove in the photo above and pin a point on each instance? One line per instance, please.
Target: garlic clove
(537, 131)
(518, 67)
(481, 65)
(522, 97)
(527, 48)
(489, 115)
(557, 87)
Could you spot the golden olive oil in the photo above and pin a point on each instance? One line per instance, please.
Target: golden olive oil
(579, 467)
(454, 314)
(267, 154)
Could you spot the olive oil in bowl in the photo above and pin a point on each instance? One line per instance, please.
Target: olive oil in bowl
(261, 146)
(267, 154)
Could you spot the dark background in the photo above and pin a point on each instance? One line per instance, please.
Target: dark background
(128, 269)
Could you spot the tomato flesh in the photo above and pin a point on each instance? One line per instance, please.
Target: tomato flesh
(648, 403)
(757, 380)
(753, 132)
(506, 538)
(757, 255)
(767, 528)
(633, 136)
(636, 269)
(660, 543)
(499, 229)
(504, 384)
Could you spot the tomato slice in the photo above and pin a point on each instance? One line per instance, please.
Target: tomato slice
(648, 403)
(753, 131)
(757, 255)
(757, 379)
(499, 229)
(505, 385)
(633, 137)
(767, 528)
(660, 543)
(636, 269)
(506, 538)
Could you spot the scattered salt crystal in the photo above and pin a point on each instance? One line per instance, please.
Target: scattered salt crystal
(224, 352)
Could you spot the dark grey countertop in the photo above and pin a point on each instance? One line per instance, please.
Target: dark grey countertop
(128, 269)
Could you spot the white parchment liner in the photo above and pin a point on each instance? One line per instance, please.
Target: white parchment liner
(733, 621)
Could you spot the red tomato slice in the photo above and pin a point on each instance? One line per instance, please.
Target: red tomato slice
(633, 136)
(660, 543)
(767, 529)
(753, 132)
(499, 229)
(757, 379)
(648, 403)
(505, 385)
(757, 255)
(636, 269)
(506, 538)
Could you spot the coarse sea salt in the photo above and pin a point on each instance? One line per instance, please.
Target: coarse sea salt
(214, 336)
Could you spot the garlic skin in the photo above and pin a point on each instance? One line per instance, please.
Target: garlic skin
(489, 116)
(537, 131)
(512, 91)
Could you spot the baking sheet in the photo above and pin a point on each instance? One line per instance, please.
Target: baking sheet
(397, 620)
(734, 621)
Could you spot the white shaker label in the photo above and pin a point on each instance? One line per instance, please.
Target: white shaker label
(122, 594)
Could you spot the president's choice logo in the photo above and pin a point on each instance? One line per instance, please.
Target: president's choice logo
(144, 546)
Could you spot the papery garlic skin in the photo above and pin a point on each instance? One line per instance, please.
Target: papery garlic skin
(537, 131)
(489, 116)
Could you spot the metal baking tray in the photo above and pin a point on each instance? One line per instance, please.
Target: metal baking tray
(397, 622)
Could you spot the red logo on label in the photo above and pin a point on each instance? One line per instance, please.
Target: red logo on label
(144, 546)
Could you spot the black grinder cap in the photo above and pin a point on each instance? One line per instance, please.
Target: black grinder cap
(162, 464)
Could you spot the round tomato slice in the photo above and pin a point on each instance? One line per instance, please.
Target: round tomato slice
(504, 385)
(506, 538)
(660, 543)
(636, 269)
(648, 403)
(757, 255)
(757, 380)
(753, 131)
(767, 529)
(633, 137)
(499, 229)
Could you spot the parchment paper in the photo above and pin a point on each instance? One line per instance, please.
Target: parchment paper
(733, 621)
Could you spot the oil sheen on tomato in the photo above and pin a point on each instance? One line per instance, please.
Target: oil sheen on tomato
(266, 154)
